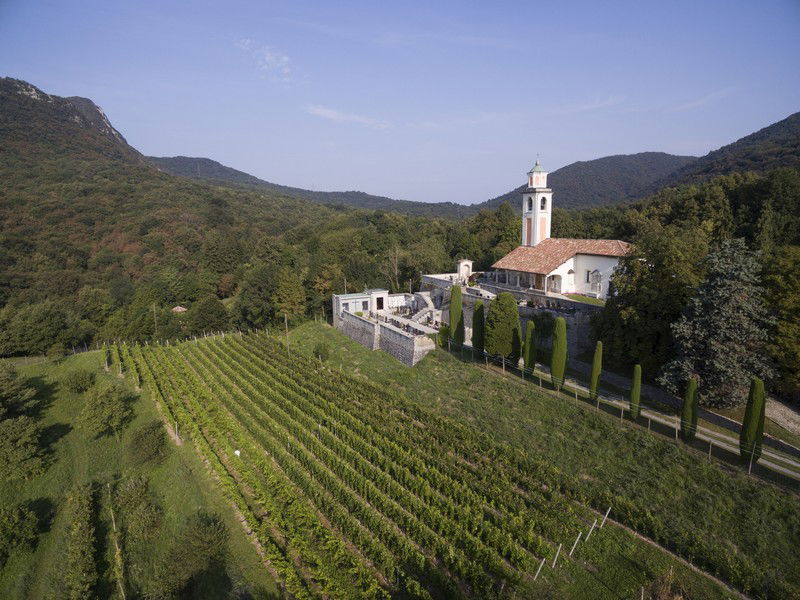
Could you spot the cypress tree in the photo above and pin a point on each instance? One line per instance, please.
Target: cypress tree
(636, 390)
(503, 332)
(558, 359)
(529, 349)
(689, 411)
(456, 315)
(478, 327)
(753, 424)
(597, 368)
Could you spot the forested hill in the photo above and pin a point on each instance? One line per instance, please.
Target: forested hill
(772, 147)
(211, 170)
(603, 181)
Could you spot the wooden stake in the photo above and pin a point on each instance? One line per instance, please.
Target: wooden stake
(577, 539)
(556, 557)
(604, 518)
(541, 564)
(710, 443)
(591, 529)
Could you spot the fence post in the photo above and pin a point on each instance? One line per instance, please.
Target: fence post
(677, 420)
(591, 529)
(541, 564)
(556, 557)
(621, 413)
(604, 518)
(577, 539)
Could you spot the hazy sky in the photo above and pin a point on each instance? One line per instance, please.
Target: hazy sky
(428, 101)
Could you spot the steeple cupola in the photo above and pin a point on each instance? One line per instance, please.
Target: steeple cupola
(537, 201)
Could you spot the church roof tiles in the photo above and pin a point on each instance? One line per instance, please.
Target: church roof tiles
(550, 253)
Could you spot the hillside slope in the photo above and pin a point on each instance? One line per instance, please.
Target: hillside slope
(774, 146)
(603, 181)
(210, 170)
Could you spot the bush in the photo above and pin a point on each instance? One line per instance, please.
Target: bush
(56, 352)
(130, 492)
(558, 359)
(81, 570)
(322, 351)
(444, 335)
(79, 380)
(107, 410)
(503, 331)
(18, 530)
(147, 444)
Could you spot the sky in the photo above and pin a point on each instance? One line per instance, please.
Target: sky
(426, 101)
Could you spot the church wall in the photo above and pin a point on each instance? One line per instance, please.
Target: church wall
(590, 262)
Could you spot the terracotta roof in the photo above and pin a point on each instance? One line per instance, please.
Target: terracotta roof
(550, 253)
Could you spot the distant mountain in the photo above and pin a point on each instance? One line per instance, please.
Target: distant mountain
(210, 170)
(777, 145)
(603, 181)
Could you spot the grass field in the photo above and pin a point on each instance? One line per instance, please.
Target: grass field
(739, 528)
(359, 492)
(181, 484)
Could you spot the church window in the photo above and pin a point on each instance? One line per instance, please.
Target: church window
(530, 204)
(543, 204)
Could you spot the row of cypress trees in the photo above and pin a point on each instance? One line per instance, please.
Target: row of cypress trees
(500, 333)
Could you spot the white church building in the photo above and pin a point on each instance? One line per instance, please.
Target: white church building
(554, 265)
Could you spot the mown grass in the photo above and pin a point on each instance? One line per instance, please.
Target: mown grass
(682, 497)
(180, 483)
(586, 299)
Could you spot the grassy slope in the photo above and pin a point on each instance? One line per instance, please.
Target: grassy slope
(181, 484)
(593, 446)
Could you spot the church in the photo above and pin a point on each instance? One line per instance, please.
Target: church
(554, 265)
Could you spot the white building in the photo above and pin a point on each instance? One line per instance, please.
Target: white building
(555, 265)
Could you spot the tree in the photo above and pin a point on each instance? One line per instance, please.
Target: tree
(208, 314)
(21, 456)
(597, 368)
(783, 285)
(503, 331)
(16, 396)
(529, 349)
(19, 528)
(752, 433)
(254, 305)
(456, 315)
(648, 291)
(689, 411)
(723, 333)
(558, 357)
(290, 296)
(107, 410)
(636, 390)
(478, 327)
(147, 444)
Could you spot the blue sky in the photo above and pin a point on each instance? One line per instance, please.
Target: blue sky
(429, 101)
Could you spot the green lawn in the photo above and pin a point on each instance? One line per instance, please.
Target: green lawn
(743, 528)
(586, 299)
(180, 483)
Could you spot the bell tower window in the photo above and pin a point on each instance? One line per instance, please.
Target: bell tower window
(543, 203)
(530, 204)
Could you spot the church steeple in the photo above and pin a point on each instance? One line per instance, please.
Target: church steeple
(537, 202)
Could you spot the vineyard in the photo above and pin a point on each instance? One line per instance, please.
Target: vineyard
(356, 492)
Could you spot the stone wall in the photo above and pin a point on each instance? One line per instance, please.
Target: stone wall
(408, 349)
(362, 330)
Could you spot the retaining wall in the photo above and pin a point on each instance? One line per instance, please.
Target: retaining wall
(408, 349)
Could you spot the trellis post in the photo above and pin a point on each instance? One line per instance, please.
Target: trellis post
(541, 564)
(556, 557)
(604, 518)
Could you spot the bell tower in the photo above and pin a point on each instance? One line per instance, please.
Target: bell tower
(537, 204)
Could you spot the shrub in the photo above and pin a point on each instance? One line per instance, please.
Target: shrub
(107, 410)
(130, 492)
(689, 411)
(322, 351)
(529, 349)
(597, 369)
(457, 314)
(81, 570)
(147, 444)
(18, 529)
(56, 352)
(79, 380)
(558, 358)
(636, 390)
(503, 331)
(478, 327)
(752, 433)
(444, 335)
